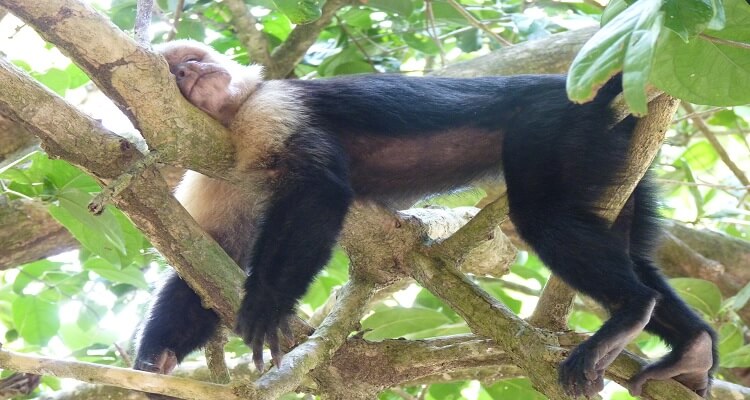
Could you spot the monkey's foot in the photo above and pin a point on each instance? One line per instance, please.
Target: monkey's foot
(691, 365)
(262, 315)
(163, 363)
(582, 373)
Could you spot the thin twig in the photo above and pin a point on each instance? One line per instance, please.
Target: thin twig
(115, 188)
(177, 16)
(711, 137)
(702, 184)
(698, 113)
(432, 30)
(362, 50)
(477, 24)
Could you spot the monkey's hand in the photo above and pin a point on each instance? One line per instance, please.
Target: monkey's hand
(263, 313)
(691, 365)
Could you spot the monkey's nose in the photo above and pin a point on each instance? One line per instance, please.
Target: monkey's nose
(181, 71)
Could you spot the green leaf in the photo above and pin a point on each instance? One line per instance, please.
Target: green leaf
(189, 28)
(400, 322)
(55, 79)
(700, 294)
(584, 321)
(130, 275)
(100, 234)
(741, 298)
(447, 391)
(701, 156)
(739, 358)
(515, 388)
(726, 118)
(32, 272)
(76, 76)
(122, 13)
(90, 314)
(36, 320)
(353, 67)
(687, 18)
(421, 42)
(469, 41)
(76, 338)
(607, 51)
(614, 8)
(496, 289)
(638, 57)
(277, 25)
(730, 338)
(300, 11)
(622, 395)
(706, 72)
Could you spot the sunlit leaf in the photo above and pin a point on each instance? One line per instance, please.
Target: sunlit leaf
(36, 320)
(700, 294)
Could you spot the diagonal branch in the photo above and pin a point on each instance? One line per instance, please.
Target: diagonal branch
(254, 40)
(288, 54)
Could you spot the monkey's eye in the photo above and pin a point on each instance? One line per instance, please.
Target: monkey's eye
(191, 59)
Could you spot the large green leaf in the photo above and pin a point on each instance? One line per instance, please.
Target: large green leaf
(687, 18)
(32, 272)
(400, 322)
(638, 57)
(730, 338)
(700, 294)
(739, 358)
(705, 72)
(515, 388)
(625, 42)
(36, 320)
(100, 234)
(130, 275)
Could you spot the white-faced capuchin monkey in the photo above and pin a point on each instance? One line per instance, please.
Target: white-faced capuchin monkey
(312, 146)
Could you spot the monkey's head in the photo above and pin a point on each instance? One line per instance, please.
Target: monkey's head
(208, 79)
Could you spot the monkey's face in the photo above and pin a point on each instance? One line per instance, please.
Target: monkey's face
(204, 84)
(211, 81)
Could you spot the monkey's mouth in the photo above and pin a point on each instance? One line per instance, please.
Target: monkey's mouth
(197, 81)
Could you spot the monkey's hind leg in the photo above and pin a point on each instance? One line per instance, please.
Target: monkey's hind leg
(694, 356)
(579, 247)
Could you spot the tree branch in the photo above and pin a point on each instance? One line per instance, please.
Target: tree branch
(254, 40)
(288, 54)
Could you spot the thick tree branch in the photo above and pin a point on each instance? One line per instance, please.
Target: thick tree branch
(28, 233)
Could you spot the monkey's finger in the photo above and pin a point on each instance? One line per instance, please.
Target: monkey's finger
(257, 348)
(273, 344)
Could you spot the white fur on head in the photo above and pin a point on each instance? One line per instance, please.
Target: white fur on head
(244, 77)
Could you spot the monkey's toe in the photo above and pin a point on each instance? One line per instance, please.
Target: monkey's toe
(578, 375)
